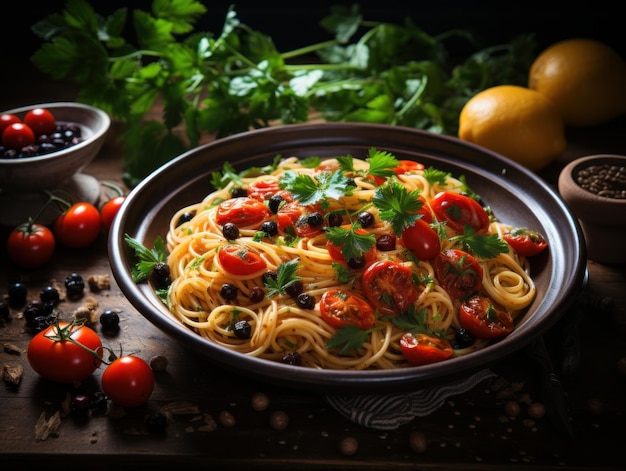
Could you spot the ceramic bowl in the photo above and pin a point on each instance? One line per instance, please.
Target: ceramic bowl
(23, 181)
(601, 209)
(514, 193)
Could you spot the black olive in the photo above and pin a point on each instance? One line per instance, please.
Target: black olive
(161, 275)
(5, 312)
(292, 358)
(155, 422)
(305, 301)
(228, 291)
(366, 219)
(256, 294)
(185, 217)
(33, 310)
(463, 338)
(269, 276)
(50, 295)
(242, 330)
(239, 192)
(275, 202)
(356, 262)
(335, 220)
(74, 285)
(295, 288)
(315, 219)
(386, 242)
(17, 294)
(110, 320)
(230, 231)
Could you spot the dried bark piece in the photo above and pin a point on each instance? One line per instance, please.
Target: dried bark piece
(12, 375)
(47, 428)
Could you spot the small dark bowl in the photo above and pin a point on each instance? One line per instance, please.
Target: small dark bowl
(516, 195)
(602, 217)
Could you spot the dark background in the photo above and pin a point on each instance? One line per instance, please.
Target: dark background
(297, 26)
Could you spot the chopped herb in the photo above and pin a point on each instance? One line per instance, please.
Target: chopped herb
(285, 277)
(485, 246)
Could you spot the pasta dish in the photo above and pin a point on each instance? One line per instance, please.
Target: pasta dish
(347, 263)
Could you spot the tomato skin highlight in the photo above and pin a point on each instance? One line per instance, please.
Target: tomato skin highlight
(243, 212)
(458, 272)
(423, 349)
(525, 242)
(340, 307)
(7, 119)
(79, 226)
(109, 211)
(62, 360)
(31, 245)
(128, 381)
(389, 287)
(484, 319)
(239, 260)
(422, 240)
(41, 121)
(460, 210)
(17, 135)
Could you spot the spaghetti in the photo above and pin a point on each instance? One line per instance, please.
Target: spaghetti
(268, 270)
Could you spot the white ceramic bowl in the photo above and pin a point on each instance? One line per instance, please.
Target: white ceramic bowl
(49, 171)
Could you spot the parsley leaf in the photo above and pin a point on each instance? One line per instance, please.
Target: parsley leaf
(325, 186)
(285, 277)
(397, 205)
(485, 246)
(148, 258)
(351, 242)
(348, 337)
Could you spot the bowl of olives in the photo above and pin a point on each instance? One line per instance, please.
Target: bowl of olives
(44, 147)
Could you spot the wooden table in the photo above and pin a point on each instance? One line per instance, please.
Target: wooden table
(213, 424)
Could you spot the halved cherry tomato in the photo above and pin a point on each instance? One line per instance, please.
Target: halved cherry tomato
(335, 251)
(525, 241)
(422, 240)
(295, 215)
(109, 211)
(79, 226)
(30, 245)
(423, 349)
(41, 121)
(128, 381)
(404, 166)
(54, 356)
(240, 260)
(243, 212)
(17, 135)
(389, 286)
(460, 211)
(340, 307)
(263, 189)
(6, 119)
(484, 319)
(458, 272)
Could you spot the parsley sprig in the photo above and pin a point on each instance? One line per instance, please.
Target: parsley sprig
(309, 191)
(147, 258)
(397, 205)
(285, 277)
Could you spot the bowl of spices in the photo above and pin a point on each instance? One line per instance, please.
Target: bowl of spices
(594, 188)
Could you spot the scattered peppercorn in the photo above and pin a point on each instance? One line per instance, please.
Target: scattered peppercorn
(279, 420)
(260, 401)
(608, 181)
(418, 442)
(227, 419)
(348, 446)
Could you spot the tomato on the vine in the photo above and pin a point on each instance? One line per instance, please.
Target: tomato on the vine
(128, 381)
(390, 287)
(339, 307)
(41, 121)
(421, 240)
(109, 211)
(422, 349)
(485, 319)
(459, 211)
(54, 352)
(17, 135)
(79, 226)
(30, 245)
(525, 241)
(458, 272)
(239, 260)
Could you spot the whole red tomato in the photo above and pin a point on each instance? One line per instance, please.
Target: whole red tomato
(128, 381)
(30, 245)
(55, 355)
(6, 119)
(17, 135)
(79, 226)
(109, 211)
(422, 349)
(41, 121)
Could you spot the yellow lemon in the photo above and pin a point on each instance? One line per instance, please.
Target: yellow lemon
(584, 78)
(514, 121)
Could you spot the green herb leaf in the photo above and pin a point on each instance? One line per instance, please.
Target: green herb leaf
(148, 258)
(347, 338)
(352, 243)
(397, 205)
(285, 277)
(484, 246)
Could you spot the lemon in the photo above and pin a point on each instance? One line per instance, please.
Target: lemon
(584, 78)
(514, 121)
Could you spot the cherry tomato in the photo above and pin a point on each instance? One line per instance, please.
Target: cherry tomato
(525, 241)
(335, 251)
(340, 307)
(421, 240)
(17, 135)
(239, 260)
(484, 319)
(458, 272)
(404, 166)
(128, 381)
(30, 245)
(423, 349)
(459, 211)
(6, 119)
(109, 211)
(242, 212)
(41, 121)
(54, 356)
(262, 190)
(295, 215)
(389, 286)
(79, 226)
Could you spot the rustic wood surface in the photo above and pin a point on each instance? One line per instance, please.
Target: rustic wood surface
(470, 431)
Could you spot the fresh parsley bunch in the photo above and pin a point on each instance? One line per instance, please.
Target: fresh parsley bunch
(220, 84)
